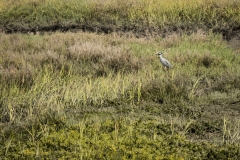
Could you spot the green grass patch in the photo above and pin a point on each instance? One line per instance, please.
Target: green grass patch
(95, 96)
(113, 15)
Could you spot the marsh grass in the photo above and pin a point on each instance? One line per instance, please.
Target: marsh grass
(109, 16)
(88, 95)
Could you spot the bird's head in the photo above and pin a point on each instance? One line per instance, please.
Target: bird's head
(159, 53)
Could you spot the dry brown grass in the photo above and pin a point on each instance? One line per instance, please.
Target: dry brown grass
(22, 57)
(105, 58)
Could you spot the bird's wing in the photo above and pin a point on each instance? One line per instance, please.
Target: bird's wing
(167, 63)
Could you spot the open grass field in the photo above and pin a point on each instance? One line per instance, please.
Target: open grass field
(92, 95)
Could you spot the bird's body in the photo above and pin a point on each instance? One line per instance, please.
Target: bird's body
(164, 61)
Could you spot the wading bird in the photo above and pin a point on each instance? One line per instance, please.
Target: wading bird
(164, 61)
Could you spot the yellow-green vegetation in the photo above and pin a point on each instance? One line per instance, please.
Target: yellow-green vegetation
(90, 96)
(119, 15)
(94, 95)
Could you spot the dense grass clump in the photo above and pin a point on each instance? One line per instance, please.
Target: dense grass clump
(86, 95)
(141, 16)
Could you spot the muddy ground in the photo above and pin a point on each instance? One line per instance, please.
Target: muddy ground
(234, 41)
(232, 36)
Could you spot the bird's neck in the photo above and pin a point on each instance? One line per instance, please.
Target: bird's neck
(160, 56)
